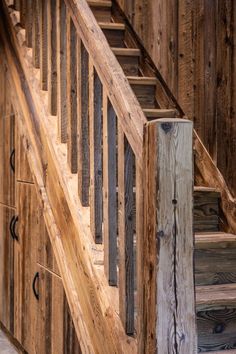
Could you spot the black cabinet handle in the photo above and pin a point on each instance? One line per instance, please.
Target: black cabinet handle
(13, 228)
(12, 160)
(33, 285)
(10, 226)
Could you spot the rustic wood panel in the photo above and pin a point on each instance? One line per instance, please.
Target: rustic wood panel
(52, 56)
(216, 329)
(43, 25)
(192, 43)
(56, 333)
(7, 268)
(23, 172)
(168, 238)
(7, 159)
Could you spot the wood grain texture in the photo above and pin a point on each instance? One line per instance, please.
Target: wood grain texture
(109, 191)
(23, 172)
(168, 245)
(62, 71)
(29, 22)
(125, 229)
(83, 125)
(95, 132)
(36, 34)
(7, 284)
(43, 25)
(52, 56)
(72, 90)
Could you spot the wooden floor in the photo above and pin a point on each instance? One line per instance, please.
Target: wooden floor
(5, 346)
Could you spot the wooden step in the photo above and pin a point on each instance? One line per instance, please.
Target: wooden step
(114, 33)
(145, 90)
(101, 10)
(128, 59)
(159, 113)
(215, 258)
(206, 209)
(216, 317)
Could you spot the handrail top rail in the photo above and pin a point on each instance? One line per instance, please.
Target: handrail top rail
(125, 103)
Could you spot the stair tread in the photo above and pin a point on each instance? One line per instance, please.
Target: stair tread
(208, 240)
(126, 51)
(104, 3)
(159, 113)
(112, 26)
(215, 295)
(205, 189)
(142, 80)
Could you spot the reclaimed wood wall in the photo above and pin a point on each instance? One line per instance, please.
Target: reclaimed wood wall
(193, 44)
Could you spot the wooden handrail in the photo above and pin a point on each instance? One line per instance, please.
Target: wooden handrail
(126, 106)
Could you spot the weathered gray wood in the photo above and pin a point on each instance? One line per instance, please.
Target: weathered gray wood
(43, 24)
(52, 57)
(95, 127)
(36, 34)
(61, 71)
(168, 235)
(83, 126)
(126, 234)
(109, 191)
(29, 22)
(72, 82)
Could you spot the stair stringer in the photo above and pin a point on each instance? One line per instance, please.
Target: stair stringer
(93, 304)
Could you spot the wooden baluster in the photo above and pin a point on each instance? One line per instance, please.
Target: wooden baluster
(61, 71)
(36, 34)
(17, 5)
(168, 289)
(52, 57)
(72, 82)
(83, 125)
(95, 133)
(23, 13)
(29, 22)
(126, 233)
(139, 255)
(109, 191)
(43, 23)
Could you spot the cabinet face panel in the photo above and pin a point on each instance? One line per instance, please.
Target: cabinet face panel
(23, 172)
(30, 223)
(7, 159)
(6, 269)
(46, 256)
(56, 333)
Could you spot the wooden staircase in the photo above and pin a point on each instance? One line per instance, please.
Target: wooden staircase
(124, 83)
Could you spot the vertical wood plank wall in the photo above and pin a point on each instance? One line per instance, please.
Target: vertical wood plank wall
(193, 44)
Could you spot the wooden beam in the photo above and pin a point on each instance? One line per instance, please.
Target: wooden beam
(168, 238)
(43, 24)
(52, 56)
(36, 34)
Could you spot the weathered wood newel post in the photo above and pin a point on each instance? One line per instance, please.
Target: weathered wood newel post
(168, 323)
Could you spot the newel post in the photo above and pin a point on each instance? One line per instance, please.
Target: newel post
(169, 324)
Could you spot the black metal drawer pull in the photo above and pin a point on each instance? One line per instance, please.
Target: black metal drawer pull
(12, 160)
(12, 227)
(33, 285)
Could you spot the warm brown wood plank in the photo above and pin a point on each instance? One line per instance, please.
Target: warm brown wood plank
(7, 268)
(52, 56)
(17, 5)
(109, 191)
(83, 126)
(214, 296)
(61, 71)
(36, 33)
(126, 234)
(168, 237)
(23, 172)
(43, 24)
(95, 132)
(72, 87)
(128, 59)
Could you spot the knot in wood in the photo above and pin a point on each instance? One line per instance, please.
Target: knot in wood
(160, 234)
(166, 127)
